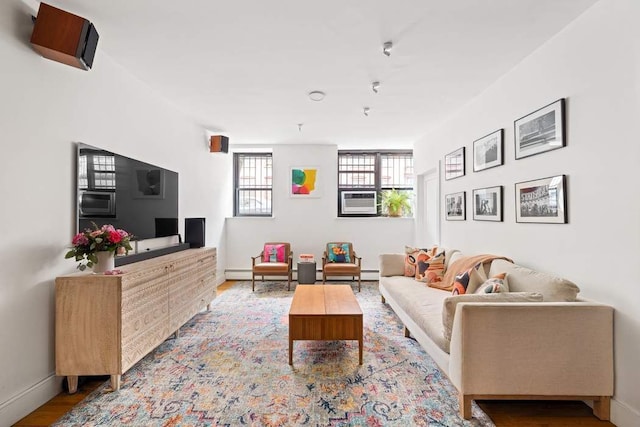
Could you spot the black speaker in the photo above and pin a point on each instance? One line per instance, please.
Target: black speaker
(64, 37)
(219, 143)
(194, 232)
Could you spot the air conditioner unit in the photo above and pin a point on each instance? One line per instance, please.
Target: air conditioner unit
(359, 203)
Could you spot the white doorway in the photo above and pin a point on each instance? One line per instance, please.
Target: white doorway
(428, 221)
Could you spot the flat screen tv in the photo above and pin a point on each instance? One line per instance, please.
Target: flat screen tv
(135, 196)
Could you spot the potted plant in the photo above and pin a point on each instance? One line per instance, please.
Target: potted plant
(96, 248)
(396, 202)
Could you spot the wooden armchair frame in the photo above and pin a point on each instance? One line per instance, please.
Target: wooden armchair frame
(352, 269)
(263, 269)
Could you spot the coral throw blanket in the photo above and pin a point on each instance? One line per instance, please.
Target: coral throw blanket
(461, 265)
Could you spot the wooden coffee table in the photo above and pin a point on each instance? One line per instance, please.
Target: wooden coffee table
(325, 312)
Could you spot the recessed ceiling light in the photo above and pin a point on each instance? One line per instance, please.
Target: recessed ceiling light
(316, 95)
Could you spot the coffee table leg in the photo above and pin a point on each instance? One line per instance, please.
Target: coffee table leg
(290, 351)
(360, 349)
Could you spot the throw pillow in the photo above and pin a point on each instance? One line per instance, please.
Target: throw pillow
(467, 282)
(450, 303)
(494, 285)
(339, 252)
(273, 253)
(411, 255)
(429, 267)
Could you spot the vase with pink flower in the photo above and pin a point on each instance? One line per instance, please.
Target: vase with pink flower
(96, 248)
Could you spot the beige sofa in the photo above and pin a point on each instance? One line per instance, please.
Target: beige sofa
(538, 341)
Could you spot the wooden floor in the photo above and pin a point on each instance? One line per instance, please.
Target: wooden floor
(503, 413)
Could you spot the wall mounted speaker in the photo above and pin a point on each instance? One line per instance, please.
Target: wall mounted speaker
(194, 232)
(64, 37)
(218, 144)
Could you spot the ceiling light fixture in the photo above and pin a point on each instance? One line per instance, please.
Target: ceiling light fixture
(366, 110)
(375, 86)
(386, 48)
(300, 127)
(316, 95)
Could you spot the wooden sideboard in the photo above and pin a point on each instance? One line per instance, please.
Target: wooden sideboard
(105, 324)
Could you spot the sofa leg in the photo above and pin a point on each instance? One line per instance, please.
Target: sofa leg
(383, 299)
(602, 408)
(407, 334)
(465, 406)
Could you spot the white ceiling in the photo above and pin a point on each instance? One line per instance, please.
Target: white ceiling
(243, 68)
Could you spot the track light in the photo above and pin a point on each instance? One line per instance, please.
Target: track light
(300, 127)
(375, 86)
(386, 48)
(365, 110)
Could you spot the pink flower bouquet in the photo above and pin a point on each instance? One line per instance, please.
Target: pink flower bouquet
(89, 242)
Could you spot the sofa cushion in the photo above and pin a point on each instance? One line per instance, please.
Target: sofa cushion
(421, 303)
(449, 306)
(273, 253)
(494, 285)
(522, 279)
(411, 259)
(469, 281)
(338, 252)
(430, 268)
(391, 264)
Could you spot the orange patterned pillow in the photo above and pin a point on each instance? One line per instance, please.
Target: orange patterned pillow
(410, 259)
(430, 266)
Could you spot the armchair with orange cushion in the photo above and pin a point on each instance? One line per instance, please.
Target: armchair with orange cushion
(339, 259)
(276, 259)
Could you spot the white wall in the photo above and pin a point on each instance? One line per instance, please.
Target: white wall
(308, 224)
(593, 63)
(44, 108)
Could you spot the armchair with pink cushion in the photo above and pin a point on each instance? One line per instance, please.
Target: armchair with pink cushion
(276, 259)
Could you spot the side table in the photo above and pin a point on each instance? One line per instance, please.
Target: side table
(307, 273)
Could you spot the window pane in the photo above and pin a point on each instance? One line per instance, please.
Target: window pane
(253, 184)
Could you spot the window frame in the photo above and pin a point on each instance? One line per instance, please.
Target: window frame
(377, 181)
(237, 188)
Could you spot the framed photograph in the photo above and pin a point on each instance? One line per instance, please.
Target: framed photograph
(304, 182)
(456, 206)
(148, 184)
(540, 131)
(542, 200)
(487, 151)
(454, 164)
(487, 204)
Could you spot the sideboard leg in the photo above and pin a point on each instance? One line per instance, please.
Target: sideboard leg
(115, 382)
(72, 382)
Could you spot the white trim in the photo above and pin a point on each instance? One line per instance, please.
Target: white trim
(623, 416)
(26, 401)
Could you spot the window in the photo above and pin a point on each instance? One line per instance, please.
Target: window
(252, 184)
(96, 172)
(366, 171)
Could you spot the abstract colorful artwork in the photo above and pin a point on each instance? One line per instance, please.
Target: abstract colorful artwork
(304, 182)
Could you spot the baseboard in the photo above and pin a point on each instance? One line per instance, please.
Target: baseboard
(241, 274)
(623, 416)
(25, 402)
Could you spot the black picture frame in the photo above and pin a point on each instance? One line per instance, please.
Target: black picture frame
(540, 131)
(455, 205)
(542, 201)
(454, 164)
(487, 204)
(488, 151)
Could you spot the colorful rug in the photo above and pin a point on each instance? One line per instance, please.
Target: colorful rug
(229, 367)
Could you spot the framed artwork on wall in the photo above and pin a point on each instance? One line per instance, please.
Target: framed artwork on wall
(542, 200)
(304, 182)
(487, 151)
(487, 204)
(456, 206)
(454, 164)
(540, 131)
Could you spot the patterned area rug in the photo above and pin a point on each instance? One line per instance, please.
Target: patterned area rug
(229, 367)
